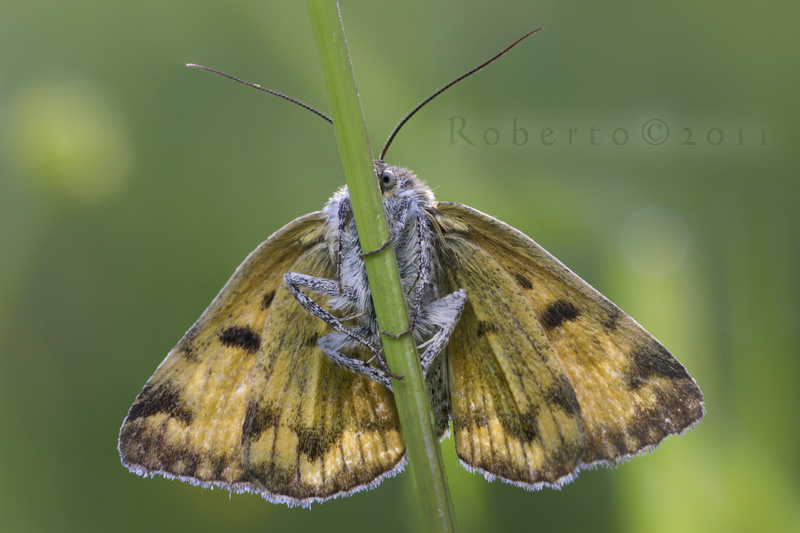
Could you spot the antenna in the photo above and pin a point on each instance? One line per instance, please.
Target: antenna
(260, 88)
(443, 89)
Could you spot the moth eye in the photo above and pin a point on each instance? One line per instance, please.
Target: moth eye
(387, 179)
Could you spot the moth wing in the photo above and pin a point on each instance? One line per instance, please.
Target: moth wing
(313, 430)
(631, 392)
(190, 420)
(515, 414)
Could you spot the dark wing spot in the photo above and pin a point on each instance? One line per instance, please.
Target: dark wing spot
(258, 419)
(311, 442)
(528, 425)
(562, 395)
(486, 327)
(504, 467)
(614, 314)
(479, 418)
(524, 282)
(672, 410)
(653, 360)
(184, 462)
(157, 399)
(217, 464)
(471, 420)
(616, 444)
(557, 313)
(186, 345)
(186, 349)
(241, 337)
(459, 421)
(523, 427)
(152, 448)
(266, 301)
(315, 441)
(279, 477)
(311, 340)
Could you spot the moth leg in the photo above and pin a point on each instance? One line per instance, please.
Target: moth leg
(351, 317)
(320, 285)
(332, 344)
(326, 286)
(444, 313)
(344, 217)
(424, 259)
(399, 224)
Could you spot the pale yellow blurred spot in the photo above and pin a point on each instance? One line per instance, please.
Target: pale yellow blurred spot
(286, 449)
(311, 472)
(261, 450)
(371, 447)
(67, 140)
(497, 435)
(535, 455)
(394, 446)
(548, 431)
(514, 448)
(484, 442)
(332, 462)
(654, 241)
(351, 449)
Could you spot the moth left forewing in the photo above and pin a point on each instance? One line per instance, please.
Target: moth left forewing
(187, 421)
(247, 400)
(631, 391)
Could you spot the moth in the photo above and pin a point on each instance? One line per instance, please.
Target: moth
(280, 387)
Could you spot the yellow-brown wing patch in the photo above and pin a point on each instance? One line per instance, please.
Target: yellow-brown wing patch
(188, 420)
(631, 391)
(514, 412)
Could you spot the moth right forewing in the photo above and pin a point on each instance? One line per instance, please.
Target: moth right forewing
(632, 392)
(515, 415)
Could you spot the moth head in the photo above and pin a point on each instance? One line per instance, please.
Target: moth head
(398, 182)
(387, 179)
(390, 179)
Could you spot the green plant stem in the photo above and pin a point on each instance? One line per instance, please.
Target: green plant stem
(413, 405)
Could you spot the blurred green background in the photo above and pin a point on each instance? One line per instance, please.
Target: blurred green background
(131, 187)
